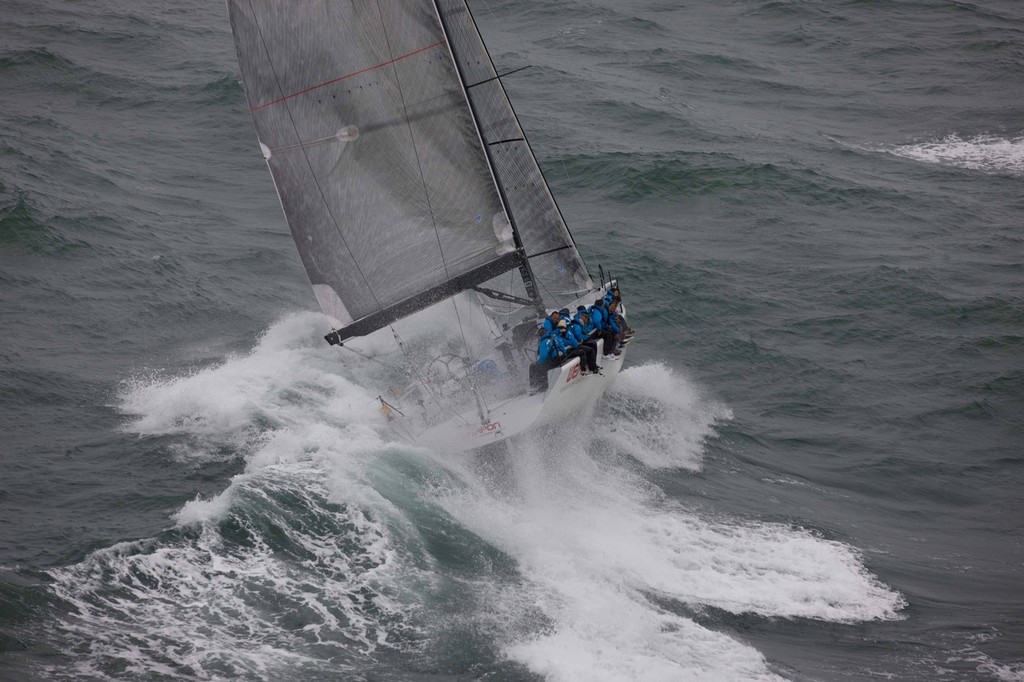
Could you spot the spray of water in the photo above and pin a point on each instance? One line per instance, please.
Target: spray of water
(337, 543)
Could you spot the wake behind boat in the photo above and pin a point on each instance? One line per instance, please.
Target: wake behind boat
(407, 181)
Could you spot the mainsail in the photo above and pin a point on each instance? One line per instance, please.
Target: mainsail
(401, 168)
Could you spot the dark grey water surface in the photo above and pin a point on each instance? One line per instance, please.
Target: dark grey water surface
(813, 468)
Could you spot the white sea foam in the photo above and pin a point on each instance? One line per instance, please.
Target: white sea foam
(985, 664)
(999, 671)
(200, 510)
(607, 557)
(659, 417)
(990, 153)
(249, 604)
(608, 569)
(285, 381)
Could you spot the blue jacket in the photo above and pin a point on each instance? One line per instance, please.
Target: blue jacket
(588, 328)
(611, 322)
(576, 329)
(549, 326)
(568, 340)
(547, 350)
(603, 320)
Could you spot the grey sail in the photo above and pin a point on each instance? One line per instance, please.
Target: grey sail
(400, 165)
(557, 267)
(375, 155)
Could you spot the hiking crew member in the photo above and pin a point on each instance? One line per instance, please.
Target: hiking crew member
(576, 330)
(551, 321)
(587, 355)
(549, 356)
(602, 328)
(620, 323)
(614, 296)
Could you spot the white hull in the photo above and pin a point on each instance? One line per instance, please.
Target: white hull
(569, 393)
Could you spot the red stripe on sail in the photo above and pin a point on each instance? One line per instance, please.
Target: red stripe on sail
(348, 75)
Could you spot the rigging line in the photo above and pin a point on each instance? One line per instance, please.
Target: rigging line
(492, 325)
(551, 296)
(309, 163)
(394, 368)
(511, 285)
(497, 77)
(412, 138)
(469, 353)
(572, 186)
(410, 369)
(423, 181)
(544, 253)
(407, 371)
(404, 370)
(522, 41)
(419, 168)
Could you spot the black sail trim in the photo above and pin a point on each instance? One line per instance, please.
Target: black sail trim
(386, 316)
(500, 75)
(544, 253)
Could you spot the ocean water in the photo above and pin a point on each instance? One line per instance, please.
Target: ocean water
(812, 468)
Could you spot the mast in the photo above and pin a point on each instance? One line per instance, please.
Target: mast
(547, 187)
(525, 271)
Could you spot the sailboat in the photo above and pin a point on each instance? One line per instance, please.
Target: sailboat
(408, 184)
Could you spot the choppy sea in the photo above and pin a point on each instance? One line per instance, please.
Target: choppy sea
(812, 469)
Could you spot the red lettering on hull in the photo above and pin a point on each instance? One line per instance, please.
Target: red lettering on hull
(573, 373)
(489, 427)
